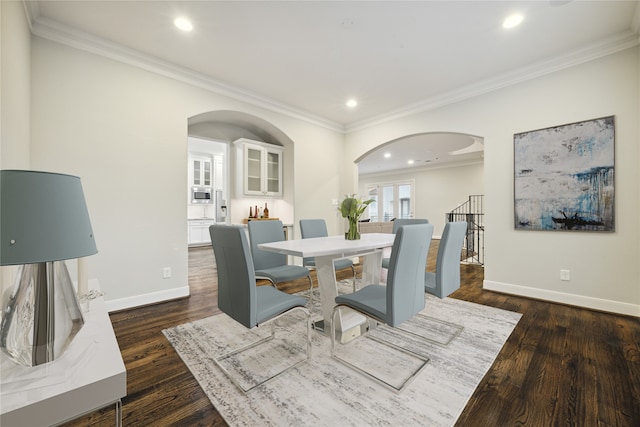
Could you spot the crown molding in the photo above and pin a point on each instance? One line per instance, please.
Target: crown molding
(635, 22)
(54, 31)
(620, 42)
(32, 11)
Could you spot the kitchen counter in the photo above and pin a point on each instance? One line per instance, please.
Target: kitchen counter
(245, 225)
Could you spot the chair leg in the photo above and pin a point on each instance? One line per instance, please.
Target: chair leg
(269, 279)
(422, 359)
(456, 330)
(353, 268)
(310, 292)
(218, 360)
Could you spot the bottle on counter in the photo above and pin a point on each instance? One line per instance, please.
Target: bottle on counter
(250, 212)
(265, 212)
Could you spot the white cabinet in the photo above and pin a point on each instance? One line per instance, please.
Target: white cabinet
(201, 172)
(261, 172)
(199, 231)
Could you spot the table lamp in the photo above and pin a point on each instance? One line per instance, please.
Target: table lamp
(43, 221)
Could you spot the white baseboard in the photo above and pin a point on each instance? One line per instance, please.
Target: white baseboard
(146, 299)
(564, 298)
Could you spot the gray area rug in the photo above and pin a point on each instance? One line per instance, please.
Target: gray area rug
(324, 392)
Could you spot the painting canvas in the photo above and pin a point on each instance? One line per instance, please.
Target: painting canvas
(564, 177)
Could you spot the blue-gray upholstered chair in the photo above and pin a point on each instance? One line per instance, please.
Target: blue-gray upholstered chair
(397, 223)
(398, 301)
(246, 303)
(271, 265)
(310, 228)
(446, 278)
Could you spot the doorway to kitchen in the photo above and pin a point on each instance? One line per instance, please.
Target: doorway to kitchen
(207, 188)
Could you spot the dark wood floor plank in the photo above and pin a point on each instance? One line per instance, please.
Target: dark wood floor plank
(561, 365)
(621, 404)
(578, 365)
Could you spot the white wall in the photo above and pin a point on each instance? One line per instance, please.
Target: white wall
(319, 178)
(604, 266)
(15, 102)
(15, 72)
(437, 190)
(123, 130)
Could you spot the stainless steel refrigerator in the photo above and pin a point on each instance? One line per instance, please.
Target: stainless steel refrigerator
(221, 207)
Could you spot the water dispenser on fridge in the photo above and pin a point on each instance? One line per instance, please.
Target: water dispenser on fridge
(221, 207)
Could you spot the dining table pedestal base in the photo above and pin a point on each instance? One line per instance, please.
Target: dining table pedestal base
(350, 324)
(342, 336)
(327, 250)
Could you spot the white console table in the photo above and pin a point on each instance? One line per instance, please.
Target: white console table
(90, 375)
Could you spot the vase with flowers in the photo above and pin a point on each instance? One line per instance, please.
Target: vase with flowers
(352, 208)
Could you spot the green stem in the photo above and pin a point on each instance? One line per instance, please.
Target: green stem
(353, 233)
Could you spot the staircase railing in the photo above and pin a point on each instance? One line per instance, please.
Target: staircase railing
(471, 211)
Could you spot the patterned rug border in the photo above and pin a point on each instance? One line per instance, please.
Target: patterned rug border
(325, 392)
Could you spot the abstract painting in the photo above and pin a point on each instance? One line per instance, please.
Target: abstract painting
(563, 177)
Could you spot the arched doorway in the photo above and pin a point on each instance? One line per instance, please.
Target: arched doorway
(223, 127)
(425, 175)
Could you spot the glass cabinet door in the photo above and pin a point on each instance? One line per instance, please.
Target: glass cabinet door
(206, 173)
(261, 173)
(202, 173)
(273, 172)
(196, 172)
(253, 165)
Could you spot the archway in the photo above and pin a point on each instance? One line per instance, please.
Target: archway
(423, 149)
(446, 168)
(227, 126)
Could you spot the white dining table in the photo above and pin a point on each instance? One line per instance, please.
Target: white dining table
(326, 250)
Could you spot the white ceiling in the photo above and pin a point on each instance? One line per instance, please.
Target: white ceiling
(423, 151)
(306, 58)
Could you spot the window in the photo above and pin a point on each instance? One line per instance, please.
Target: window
(391, 200)
(373, 206)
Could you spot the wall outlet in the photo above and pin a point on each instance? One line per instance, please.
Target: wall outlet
(166, 272)
(565, 275)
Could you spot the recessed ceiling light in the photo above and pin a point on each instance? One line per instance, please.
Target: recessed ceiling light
(512, 21)
(352, 103)
(183, 23)
(387, 155)
(411, 162)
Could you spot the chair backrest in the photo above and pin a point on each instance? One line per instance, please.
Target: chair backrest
(405, 279)
(407, 221)
(266, 232)
(236, 277)
(448, 262)
(310, 228)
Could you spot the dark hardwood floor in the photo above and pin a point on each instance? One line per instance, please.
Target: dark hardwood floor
(561, 366)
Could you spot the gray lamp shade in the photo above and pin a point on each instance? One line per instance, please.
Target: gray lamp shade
(43, 218)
